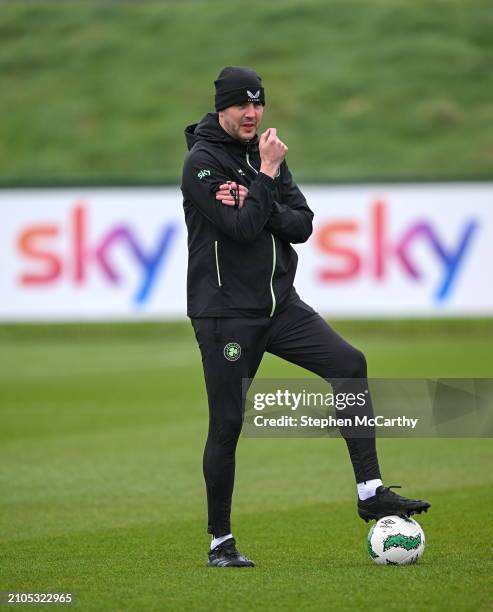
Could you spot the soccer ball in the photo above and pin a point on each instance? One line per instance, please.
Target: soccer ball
(396, 540)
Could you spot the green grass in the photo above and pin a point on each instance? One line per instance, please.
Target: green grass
(102, 492)
(389, 89)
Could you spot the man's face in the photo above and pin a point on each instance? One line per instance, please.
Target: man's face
(242, 120)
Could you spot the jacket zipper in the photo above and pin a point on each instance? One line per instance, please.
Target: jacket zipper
(272, 276)
(217, 265)
(273, 251)
(248, 162)
(278, 173)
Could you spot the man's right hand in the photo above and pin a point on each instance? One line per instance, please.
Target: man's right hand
(272, 152)
(224, 194)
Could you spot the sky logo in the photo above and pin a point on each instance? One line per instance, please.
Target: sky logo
(348, 262)
(37, 243)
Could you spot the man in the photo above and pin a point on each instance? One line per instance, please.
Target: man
(243, 210)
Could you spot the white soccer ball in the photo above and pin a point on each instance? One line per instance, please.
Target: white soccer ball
(396, 540)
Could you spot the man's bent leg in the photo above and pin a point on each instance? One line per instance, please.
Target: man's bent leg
(301, 336)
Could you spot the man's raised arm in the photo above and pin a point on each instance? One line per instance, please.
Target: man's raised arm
(203, 176)
(291, 219)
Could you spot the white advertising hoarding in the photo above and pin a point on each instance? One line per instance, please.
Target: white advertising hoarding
(120, 254)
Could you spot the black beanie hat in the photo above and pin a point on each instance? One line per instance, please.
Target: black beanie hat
(236, 85)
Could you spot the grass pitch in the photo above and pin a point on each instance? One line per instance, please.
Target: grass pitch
(382, 90)
(102, 492)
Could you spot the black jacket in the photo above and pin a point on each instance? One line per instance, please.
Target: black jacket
(240, 261)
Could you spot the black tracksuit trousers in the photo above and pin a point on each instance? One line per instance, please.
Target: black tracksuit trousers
(298, 334)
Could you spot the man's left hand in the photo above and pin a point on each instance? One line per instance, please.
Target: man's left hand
(224, 193)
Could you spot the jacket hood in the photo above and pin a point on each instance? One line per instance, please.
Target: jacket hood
(208, 128)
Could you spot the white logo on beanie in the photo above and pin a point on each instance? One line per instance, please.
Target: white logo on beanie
(254, 96)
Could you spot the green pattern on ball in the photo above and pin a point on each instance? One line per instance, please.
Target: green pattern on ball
(398, 540)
